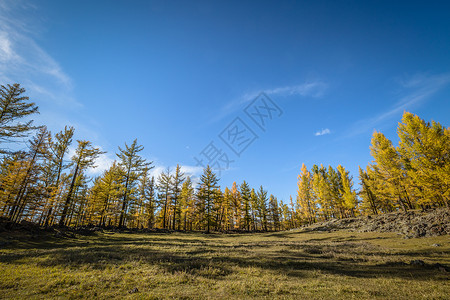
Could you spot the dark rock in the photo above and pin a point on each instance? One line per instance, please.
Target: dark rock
(3, 244)
(417, 262)
(440, 267)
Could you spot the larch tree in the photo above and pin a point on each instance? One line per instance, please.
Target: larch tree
(147, 189)
(245, 196)
(177, 180)
(348, 194)
(388, 167)
(107, 189)
(164, 183)
(254, 205)
(38, 150)
(274, 212)
(13, 107)
(208, 193)
(228, 213)
(187, 201)
(236, 203)
(366, 192)
(133, 165)
(58, 149)
(425, 151)
(305, 197)
(84, 158)
(262, 207)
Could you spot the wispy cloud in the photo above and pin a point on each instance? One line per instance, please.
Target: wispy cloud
(418, 89)
(308, 89)
(322, 132)
(105, 161)
(314, 89)
(23, 60)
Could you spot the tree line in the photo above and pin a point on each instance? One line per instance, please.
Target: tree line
(41, 185)
(413, 175)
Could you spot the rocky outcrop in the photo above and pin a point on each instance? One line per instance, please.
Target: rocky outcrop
(410, 224)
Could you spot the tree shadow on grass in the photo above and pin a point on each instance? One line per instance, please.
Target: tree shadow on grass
(216, 259)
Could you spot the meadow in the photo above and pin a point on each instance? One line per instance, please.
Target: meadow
(286, 265)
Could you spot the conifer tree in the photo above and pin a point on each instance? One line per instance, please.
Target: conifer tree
(133, 165)
(370, 201)
(388, 168)
(305, 197)
(425, 152)
(38, 150)
(164, 187)
(84, 158)
(177, 181)
(147, 190)
(274, 212)
(208, 193)
(14, 106)
(262, 207)
(228, 214)
(236, 203)
(245, 196)
(187, 200)
(58, 150)
(348, 194)
(254, 205)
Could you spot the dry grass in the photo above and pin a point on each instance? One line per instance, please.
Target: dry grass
(300, 265)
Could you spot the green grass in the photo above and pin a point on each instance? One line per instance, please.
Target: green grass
(298, 265)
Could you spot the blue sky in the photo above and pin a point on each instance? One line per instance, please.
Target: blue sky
(175, 74)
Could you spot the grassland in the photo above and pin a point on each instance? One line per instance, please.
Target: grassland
(290, 265)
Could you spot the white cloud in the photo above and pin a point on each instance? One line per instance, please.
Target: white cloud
(193, 171)
(313, 89)
(323, 132)
(22, 60)
(102, 163)
(418, 88)
(157, 170)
